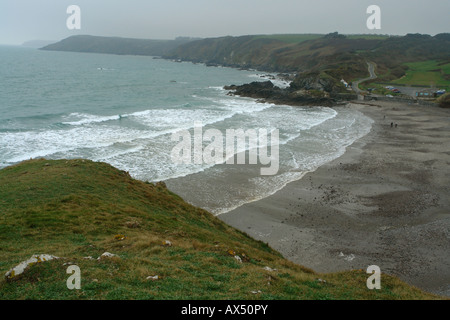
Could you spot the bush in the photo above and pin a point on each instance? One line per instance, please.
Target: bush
(444, 101)
(399, 71)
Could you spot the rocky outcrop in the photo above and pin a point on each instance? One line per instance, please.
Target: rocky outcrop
(317, 81)
(305, 90)
(257, 89)
(21, 267)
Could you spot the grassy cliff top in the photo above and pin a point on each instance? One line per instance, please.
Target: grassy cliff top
(74, 209)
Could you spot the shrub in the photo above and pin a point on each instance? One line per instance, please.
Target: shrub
(444, 101)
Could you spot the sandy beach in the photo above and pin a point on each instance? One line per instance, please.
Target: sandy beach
(385, 202)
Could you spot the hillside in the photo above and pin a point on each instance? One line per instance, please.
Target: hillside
(270, 53)
(321, 62)
(333, 55)
(116, 45)
(338, 55)
(75, 209)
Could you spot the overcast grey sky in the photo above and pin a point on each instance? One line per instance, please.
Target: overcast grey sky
(23, 20)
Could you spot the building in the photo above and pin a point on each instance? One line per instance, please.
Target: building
(427, 93)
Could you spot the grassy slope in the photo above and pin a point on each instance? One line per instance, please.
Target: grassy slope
(73, 209)
(298, 38)
(290, 38)
(426, 73)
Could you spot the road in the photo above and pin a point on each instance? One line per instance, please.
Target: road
(355, 84)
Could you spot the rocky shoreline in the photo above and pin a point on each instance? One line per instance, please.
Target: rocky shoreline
(304, 90)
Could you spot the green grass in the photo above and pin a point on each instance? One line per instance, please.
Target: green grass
(298, 38)
(74, 209)
(426, 73)
(291, 38)
(368, 36)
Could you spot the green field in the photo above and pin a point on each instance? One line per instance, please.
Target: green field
(291, 38)
(367, 36)
(298, 38)
(426, 73)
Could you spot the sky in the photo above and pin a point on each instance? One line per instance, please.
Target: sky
(24, 20)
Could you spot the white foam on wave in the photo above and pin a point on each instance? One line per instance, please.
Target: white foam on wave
(159, 167)
(243, 105)
(293, 119)
(89, 119)
(104, 155)
(217, 88)
(275, 79)
(19, 146)
(177, 118)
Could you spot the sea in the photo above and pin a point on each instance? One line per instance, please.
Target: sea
(125, 110)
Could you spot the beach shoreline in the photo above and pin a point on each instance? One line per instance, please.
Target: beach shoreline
(383, 202)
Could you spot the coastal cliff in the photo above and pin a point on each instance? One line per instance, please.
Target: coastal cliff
(116, 45)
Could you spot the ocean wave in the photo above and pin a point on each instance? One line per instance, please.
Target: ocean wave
(90, 118)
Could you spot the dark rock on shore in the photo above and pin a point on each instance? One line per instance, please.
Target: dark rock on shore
(256, 89)
(316, 81)
(309, 89)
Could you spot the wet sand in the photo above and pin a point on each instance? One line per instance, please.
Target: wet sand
(385, 202)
